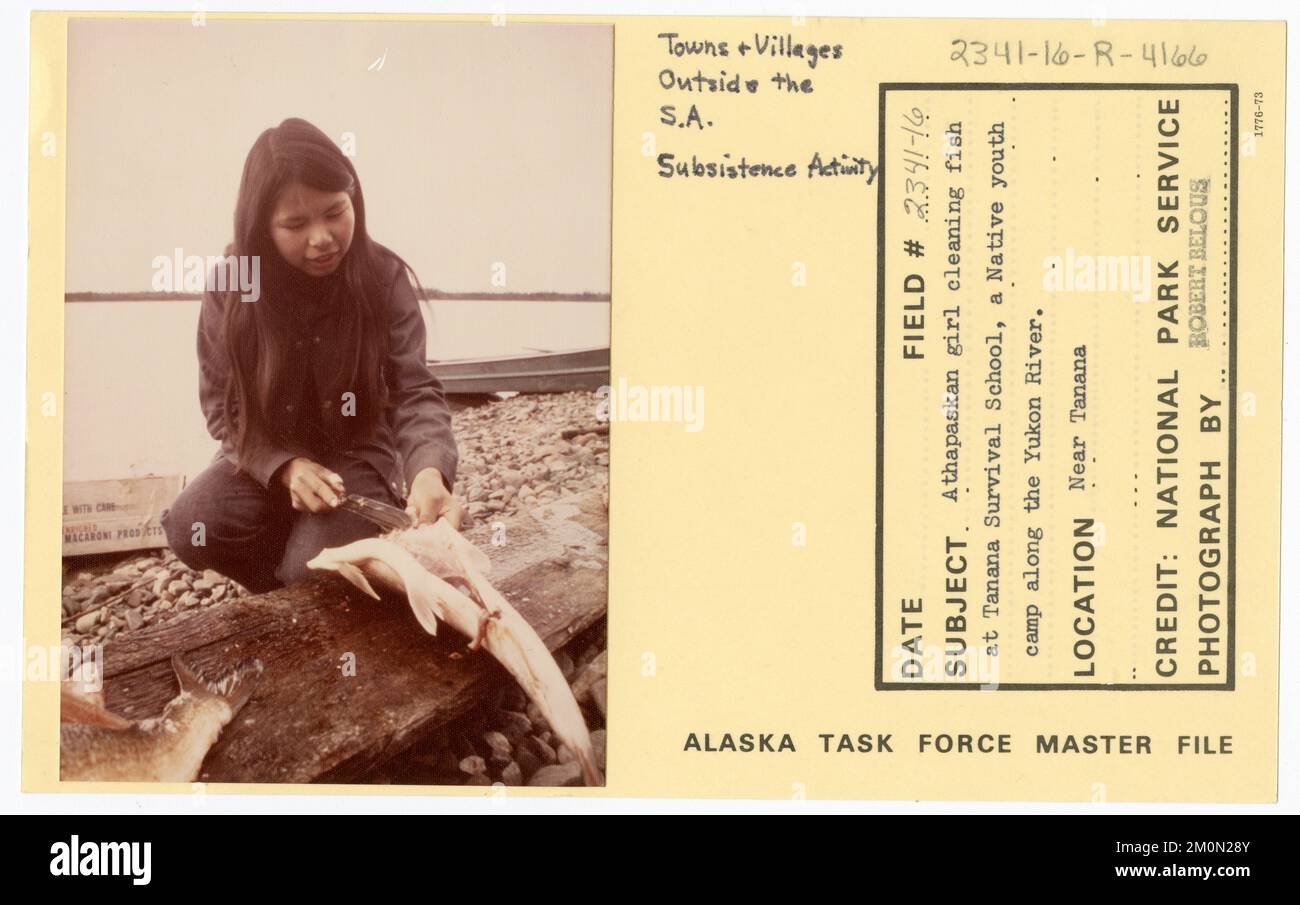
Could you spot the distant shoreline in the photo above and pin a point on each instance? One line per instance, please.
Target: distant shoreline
(427, 294)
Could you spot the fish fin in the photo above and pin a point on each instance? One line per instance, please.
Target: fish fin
(356, 577)
(462, 584)
(237, 687)
(423, 608)
(189, 680)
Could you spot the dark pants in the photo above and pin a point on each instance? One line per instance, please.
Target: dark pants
(228, 522)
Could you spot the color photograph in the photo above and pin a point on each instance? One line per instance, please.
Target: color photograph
(335, 472)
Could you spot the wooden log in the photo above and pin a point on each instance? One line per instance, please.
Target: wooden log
(308, 721)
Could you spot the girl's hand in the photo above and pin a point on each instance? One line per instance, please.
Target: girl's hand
(429, 500)
(312, 487)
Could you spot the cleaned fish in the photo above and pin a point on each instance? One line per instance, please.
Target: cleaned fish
(96, 745)
(444, 578)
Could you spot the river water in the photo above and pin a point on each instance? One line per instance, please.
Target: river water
(131, 376)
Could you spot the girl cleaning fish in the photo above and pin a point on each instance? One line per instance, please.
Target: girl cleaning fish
(317, 389)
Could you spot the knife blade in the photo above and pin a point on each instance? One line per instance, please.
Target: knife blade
(382, 514)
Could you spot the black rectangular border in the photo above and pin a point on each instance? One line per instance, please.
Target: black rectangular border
(1231, 682)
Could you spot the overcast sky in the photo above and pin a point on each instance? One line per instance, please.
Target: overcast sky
(475, 144)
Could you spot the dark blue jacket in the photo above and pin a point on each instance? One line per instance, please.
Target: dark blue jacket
(415, 435)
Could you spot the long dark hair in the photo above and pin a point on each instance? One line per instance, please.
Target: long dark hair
(259, 334)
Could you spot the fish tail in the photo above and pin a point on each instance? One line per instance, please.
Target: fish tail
(518, 648)
(235, 687)
(591, 774)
